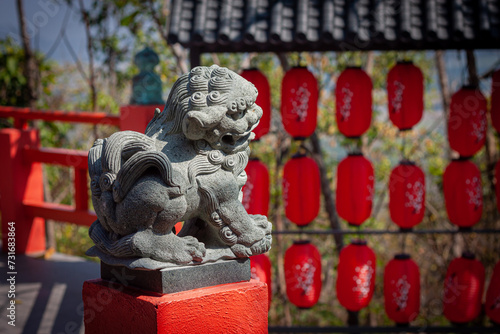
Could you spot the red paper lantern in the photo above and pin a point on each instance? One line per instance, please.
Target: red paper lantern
(301, 189)
(405, 93)
(263, 99)
(463, 289)
(497, 184)
(260, 270)
(353, 96)
(256, 189)
(355, 181)
(495, 100)
(467, 121)
(407, 194)
(356, 275)
(303, 274)
(299, 102)
(492, 305)
(463, 193)
(402, 289)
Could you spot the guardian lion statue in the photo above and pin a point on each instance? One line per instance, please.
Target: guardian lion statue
(189, 167)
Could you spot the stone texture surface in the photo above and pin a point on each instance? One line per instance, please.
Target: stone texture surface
(238, 308)
(188, 166)
(170, 280)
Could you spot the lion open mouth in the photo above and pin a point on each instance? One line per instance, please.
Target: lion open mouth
(236, 142)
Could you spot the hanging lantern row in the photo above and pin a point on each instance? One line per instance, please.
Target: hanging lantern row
(463, 289)
(256, 189)
(355, 182)
(263, 99)
(407, 194)
(303, 274)
(405, 88)
(463, 285)
(260, 270)
(301, 189)
(402, 289)
(463, 193)
(353, 91)
(405, 94)
(467, 121)
(299, 102)
(353, 100)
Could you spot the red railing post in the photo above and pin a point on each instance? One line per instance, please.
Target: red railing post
(81, 190)
(137, 117)
(20, 180)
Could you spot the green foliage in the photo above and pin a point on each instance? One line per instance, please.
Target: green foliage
(12, 80)
(13, 84)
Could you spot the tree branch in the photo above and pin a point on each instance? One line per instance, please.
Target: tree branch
(30, 65)
(90, 51)
(179, 53)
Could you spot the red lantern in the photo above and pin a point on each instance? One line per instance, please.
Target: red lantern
(301, 189)
(405, 93)
(355, 181)
(402, 289)
(356, 275)
(299, 102)
(495, 100)
(463, 193)
(407, 194)
(463, 289)
(467, 121)
(353, 96)
(256, 189)
(263, 99)
(492, 304)
(260, 269)
(303, 274)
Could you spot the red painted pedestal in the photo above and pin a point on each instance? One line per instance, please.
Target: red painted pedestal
(229, 308)
(137, 117)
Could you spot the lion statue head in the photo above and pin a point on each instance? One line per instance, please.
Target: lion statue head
(212, 104)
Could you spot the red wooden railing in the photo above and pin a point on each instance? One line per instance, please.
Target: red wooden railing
(22, 115)
(21, 182)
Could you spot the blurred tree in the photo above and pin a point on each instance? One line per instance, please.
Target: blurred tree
(30, 66)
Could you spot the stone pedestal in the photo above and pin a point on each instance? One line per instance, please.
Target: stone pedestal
(229, 308)
(177, 279)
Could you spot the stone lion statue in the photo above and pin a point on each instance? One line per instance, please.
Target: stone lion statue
(188, 166)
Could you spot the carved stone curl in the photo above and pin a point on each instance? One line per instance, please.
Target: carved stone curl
(189, 166)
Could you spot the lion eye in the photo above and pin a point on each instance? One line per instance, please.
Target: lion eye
(238, 115)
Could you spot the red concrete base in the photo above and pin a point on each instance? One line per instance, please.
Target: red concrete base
(229, 308)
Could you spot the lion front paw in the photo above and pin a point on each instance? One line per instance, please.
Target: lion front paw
(257, 241)
(256, 230)
(190, 250)
(168, 247)
(260, 247)
(171, 248)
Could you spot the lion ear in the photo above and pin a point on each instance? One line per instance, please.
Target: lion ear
(192, 127)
